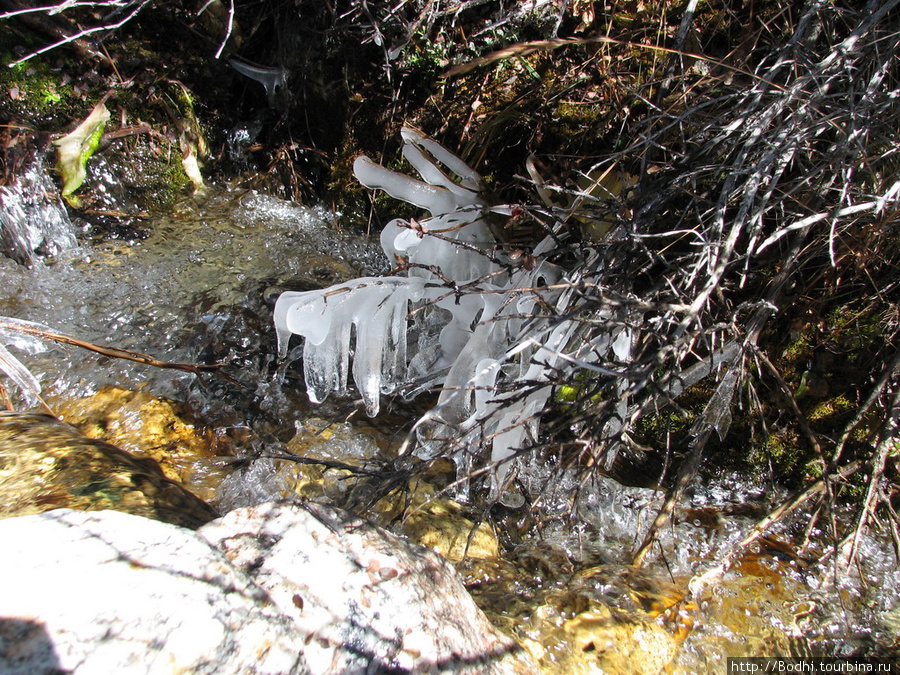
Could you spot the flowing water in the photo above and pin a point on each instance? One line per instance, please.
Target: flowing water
(31, 220)
(199, 288)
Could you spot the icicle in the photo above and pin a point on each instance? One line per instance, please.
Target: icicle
(468, 178)
(376, 309)
(433, 198)
(457, 320)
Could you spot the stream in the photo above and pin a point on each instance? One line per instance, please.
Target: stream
(199, 287)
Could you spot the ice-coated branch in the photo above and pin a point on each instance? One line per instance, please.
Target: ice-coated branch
(483, 334)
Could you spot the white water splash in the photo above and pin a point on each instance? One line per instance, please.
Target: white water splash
(33, 219)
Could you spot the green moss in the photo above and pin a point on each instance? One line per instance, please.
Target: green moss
(853, 329)
(784, 453)
(826, 411)
(798, 349)
(175, 183)
(578, 112)
(656, 429)
(35, 94)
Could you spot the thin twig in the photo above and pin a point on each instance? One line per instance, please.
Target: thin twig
(84, 33)
(118, 353)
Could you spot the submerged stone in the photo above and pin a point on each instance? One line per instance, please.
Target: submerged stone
(353, 445)
(439, 523)
(149, 426)
(47, 464)
(607, 618)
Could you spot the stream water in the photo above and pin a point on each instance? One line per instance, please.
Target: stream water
(199, 288)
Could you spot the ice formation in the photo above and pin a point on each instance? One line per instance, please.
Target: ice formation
(20, 334)
(459, 319)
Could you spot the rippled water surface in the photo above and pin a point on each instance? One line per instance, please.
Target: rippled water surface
(199, 288)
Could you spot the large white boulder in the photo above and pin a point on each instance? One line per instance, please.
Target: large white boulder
(276, 588)
(369, 600)
(108, 592)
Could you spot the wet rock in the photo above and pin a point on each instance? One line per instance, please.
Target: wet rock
(109, 592)
(47, 464)
(367, 599)
(149, 426)
(440, 524)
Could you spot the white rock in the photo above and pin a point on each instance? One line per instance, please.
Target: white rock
(276, 588)
(107, 592)
(370, 601)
